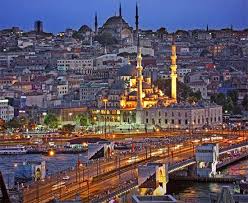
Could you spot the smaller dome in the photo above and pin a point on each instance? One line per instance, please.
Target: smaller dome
(84, 28)
(127, 70)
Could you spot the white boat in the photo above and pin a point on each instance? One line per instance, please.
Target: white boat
(12, 150)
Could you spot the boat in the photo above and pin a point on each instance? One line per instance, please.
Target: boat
(12, 150)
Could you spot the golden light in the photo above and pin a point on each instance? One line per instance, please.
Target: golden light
(105, 100)
(85, 144)
(51, 152)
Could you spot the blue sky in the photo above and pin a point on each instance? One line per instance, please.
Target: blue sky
(58, 15)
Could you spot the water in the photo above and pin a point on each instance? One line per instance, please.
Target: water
(199, 192)
(54, 164)
(190, 192)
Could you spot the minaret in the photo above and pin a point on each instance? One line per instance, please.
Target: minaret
(120, 11)
(173, 70)
(139, 77)
(137, 20)
(96, 24)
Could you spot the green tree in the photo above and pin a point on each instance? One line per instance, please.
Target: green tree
(228, 105)
(68, 128)
(245, 102)
(220, 99)
(82, 119)
(234, 96)
(51, 121)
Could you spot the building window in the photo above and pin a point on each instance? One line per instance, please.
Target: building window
(172, 114)
(179, 114)
(179, 122)
(165, 114)
(159, 114)
(153, 121)
(159, 121)
(147, 120)
(186, 122)
(165, 121)
(172, 121)
(186, 114)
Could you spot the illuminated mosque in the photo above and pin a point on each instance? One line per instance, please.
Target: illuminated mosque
(134, 102)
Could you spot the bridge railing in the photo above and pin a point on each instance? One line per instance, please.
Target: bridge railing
(233, 147)
(118, 191)
(180, 164)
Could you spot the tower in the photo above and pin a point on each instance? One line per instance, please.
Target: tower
(173, 70)
(137, 19)
(139, 77)
(96, 24)
(38, 26)
(120, 11)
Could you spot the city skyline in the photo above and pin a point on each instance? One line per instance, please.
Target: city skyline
(172, 15)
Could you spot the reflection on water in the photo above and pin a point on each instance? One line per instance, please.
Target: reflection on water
(199, 192)
(191, 191)
(54, 164)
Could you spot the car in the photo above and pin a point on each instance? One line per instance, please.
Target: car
(66, 178)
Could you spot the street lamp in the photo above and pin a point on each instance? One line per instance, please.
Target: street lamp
(70, 115)
(105, 100)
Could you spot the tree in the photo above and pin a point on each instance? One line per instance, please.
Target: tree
(82, 119)
(228, 105)
(51, 121)
(245, 102)
(2, 125)
(219, 99)
(13, 123)
(68, 128)
(234, 96)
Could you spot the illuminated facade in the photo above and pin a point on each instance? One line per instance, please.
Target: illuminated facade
(173, 72)
(139, 80)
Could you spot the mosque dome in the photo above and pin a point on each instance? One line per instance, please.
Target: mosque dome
(127, 70)
(84, 28)
(115, 21)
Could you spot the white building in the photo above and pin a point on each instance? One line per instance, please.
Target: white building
(6, 111)
(207, 159)
(184, 116)
(83, 66)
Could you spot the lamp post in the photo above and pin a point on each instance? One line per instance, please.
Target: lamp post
(105, 113)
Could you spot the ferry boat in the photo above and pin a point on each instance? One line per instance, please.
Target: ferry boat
(12, 150)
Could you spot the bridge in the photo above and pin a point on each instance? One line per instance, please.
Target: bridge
(100, 176)
(181, 165)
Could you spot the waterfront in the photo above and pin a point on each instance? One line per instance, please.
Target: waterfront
(188, 191)
(199, 192)
(56, 163)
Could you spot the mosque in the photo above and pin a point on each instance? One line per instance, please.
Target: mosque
(134, 102)
(117, 27)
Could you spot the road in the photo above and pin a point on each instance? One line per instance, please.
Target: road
(81, 178)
